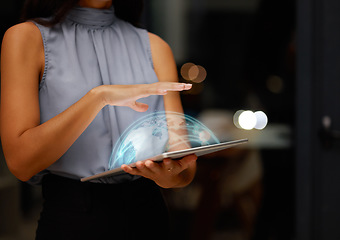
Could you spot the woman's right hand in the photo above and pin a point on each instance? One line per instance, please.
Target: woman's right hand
(127, 95)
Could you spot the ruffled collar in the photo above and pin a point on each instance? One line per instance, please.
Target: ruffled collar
(92, 17)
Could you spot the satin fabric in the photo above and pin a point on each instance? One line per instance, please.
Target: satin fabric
(89, 48)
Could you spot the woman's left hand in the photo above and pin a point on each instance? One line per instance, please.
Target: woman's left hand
(167, 174)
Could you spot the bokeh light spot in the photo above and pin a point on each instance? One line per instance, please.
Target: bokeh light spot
(192, 72)
(185, 70)
(275, 84)
(201, 76)
(247, 120)
(261, 120)
(236, 118)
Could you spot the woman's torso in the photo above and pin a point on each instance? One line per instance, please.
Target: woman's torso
(90, 48)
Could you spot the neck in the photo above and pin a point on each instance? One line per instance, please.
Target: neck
(100, 4)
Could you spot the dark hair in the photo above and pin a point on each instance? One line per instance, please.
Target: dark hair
(56, 10)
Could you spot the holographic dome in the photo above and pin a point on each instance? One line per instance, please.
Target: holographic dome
(157, 133)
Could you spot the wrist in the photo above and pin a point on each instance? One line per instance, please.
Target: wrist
(98, 94)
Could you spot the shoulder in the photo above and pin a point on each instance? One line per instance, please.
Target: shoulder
(24, 36)
(160, 51)
(23, 32)
(22, 45)
(22, 40)
(163, 59)
(158, 45)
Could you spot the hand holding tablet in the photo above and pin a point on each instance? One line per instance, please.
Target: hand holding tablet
(199, 151)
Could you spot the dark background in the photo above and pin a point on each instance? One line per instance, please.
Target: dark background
(259, 55)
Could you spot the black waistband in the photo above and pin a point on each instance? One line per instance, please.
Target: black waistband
(54, 186)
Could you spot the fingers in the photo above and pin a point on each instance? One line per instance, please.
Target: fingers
(151, 169)
(127, 95)
(171, 167)
(147, 169)
(177, 86)
(162, 88)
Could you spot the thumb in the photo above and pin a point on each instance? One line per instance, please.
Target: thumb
(139, 107)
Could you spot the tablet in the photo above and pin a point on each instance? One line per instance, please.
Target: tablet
(199, 151)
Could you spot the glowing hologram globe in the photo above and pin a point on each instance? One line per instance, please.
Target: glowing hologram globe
(157, 133)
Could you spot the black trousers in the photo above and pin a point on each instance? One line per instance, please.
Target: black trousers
(83, 210)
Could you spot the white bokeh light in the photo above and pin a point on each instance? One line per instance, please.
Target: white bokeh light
(247, 120)
(261, 120)
(236, 118)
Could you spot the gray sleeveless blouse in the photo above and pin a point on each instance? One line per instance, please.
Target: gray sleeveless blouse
(89, 48)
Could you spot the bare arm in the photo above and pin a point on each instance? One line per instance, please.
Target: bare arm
(182, 171)
(29, 146)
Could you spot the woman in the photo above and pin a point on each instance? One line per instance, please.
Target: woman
(70, 81)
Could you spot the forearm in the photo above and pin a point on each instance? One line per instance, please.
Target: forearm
(39, 147)
(30, 149)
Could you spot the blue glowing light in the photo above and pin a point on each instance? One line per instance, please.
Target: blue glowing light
(157, 133)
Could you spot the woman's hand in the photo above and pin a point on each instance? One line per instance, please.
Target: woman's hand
(127, 95)
(166, 174)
